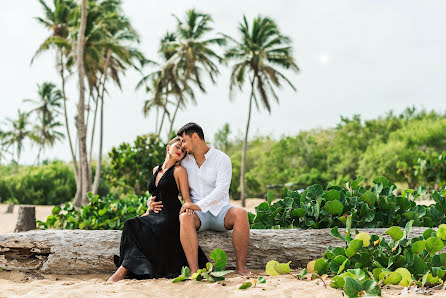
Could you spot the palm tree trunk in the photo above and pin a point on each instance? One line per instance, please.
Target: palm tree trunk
(77, 200)
(93, 129)
(164, 114)
(97, 176)
(173, 119)
(245, 147)
(82, 129)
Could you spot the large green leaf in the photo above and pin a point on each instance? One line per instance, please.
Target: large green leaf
(418, 246)
(219, 257)
(314, 192)
(369, 197)
(334, 207)
(352, 287)
(321, 266)
(332, 194)
(336, 263)
(354, 247)
(433, 245)
(395, 233)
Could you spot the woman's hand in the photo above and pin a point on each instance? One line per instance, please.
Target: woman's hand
(155, 206)
(147, 212)
(187, 211)
(191, 206)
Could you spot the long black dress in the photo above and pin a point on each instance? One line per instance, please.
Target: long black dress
(150, 245)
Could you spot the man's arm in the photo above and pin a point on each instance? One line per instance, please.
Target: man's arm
(224, 174)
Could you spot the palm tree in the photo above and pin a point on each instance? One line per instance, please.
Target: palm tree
(18, 133)
(47, 110)
(192, 55)
(163, 82)
(80, 117)
(60, 21)
(109, 52)
(261, 50)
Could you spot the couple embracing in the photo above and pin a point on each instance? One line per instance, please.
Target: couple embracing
(163, 240)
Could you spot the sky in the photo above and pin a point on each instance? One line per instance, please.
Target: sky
(356, 57)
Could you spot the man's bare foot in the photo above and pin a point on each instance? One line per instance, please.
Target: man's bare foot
(244, 272)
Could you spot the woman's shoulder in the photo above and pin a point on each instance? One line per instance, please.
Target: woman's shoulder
(179, 170)
(155, 169)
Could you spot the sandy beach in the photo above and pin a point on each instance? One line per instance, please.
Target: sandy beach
(16, 284)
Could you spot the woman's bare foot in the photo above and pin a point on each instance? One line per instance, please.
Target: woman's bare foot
(118, 275)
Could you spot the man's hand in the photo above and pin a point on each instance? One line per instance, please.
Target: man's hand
(190, 206)
(155, 206)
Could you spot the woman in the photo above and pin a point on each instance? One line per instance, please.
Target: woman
(150, 244)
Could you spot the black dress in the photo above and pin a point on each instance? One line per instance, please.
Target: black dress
(150, 245)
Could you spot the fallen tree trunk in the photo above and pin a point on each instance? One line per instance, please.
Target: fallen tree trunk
(83, 251)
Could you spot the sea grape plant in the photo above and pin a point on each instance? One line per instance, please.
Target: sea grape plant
(367, 262)
(213, 271)
(374, 207)
(101, 213)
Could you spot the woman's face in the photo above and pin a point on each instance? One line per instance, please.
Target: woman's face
(176, 151)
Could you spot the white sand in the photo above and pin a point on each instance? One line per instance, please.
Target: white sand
(15, 284)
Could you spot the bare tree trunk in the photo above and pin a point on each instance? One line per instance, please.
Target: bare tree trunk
(245, 147)
(173, 119)
(77, 200)
(82, 129)
(26, 220)
(97, 176)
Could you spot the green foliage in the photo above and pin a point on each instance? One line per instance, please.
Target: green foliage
(106, 213)
(407, 148)
(131, 165)
(395, 260)
(375, 207)
(248, 284)
(49, 184)
(213, 271)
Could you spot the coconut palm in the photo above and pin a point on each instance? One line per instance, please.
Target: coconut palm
(18, 132)
(109, 52)
(258, 55)
(59, 20)
(163, 82)
(47, 109)
(193, 54)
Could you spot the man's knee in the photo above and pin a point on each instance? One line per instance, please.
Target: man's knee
(189, 220)
(235, 215)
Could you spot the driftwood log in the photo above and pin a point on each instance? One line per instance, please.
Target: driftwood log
(26, 220)
(10, 208)
(82, 251)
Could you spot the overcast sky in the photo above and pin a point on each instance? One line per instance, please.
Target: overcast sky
(356, 57)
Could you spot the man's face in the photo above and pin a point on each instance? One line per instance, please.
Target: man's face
(187, 143)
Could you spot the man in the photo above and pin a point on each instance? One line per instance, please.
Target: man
(209, 173)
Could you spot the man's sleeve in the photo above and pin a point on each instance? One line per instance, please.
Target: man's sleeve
(224, 174)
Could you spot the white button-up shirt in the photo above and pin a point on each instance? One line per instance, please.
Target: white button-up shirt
(209, 184)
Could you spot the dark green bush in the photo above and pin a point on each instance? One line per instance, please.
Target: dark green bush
(39, 185)
(375, 207)
(131, 165)
(106, 213)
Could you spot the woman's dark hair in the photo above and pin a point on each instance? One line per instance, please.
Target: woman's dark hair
(191, 128)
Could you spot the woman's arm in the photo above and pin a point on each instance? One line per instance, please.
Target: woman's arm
(149, 209)
(180, 175)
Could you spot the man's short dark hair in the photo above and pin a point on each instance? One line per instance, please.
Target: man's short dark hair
(191, 128)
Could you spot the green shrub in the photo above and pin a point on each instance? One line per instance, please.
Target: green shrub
(106, 213)
(368, 262)
(131, 165)
(39, 185)
(375, 207)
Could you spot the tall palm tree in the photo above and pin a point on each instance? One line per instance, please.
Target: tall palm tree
(258, 54)
(60, 20)
(109, 52)
(164, 82)
(18, 133)
(193, 54)
(80, 117)
(47, 110)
